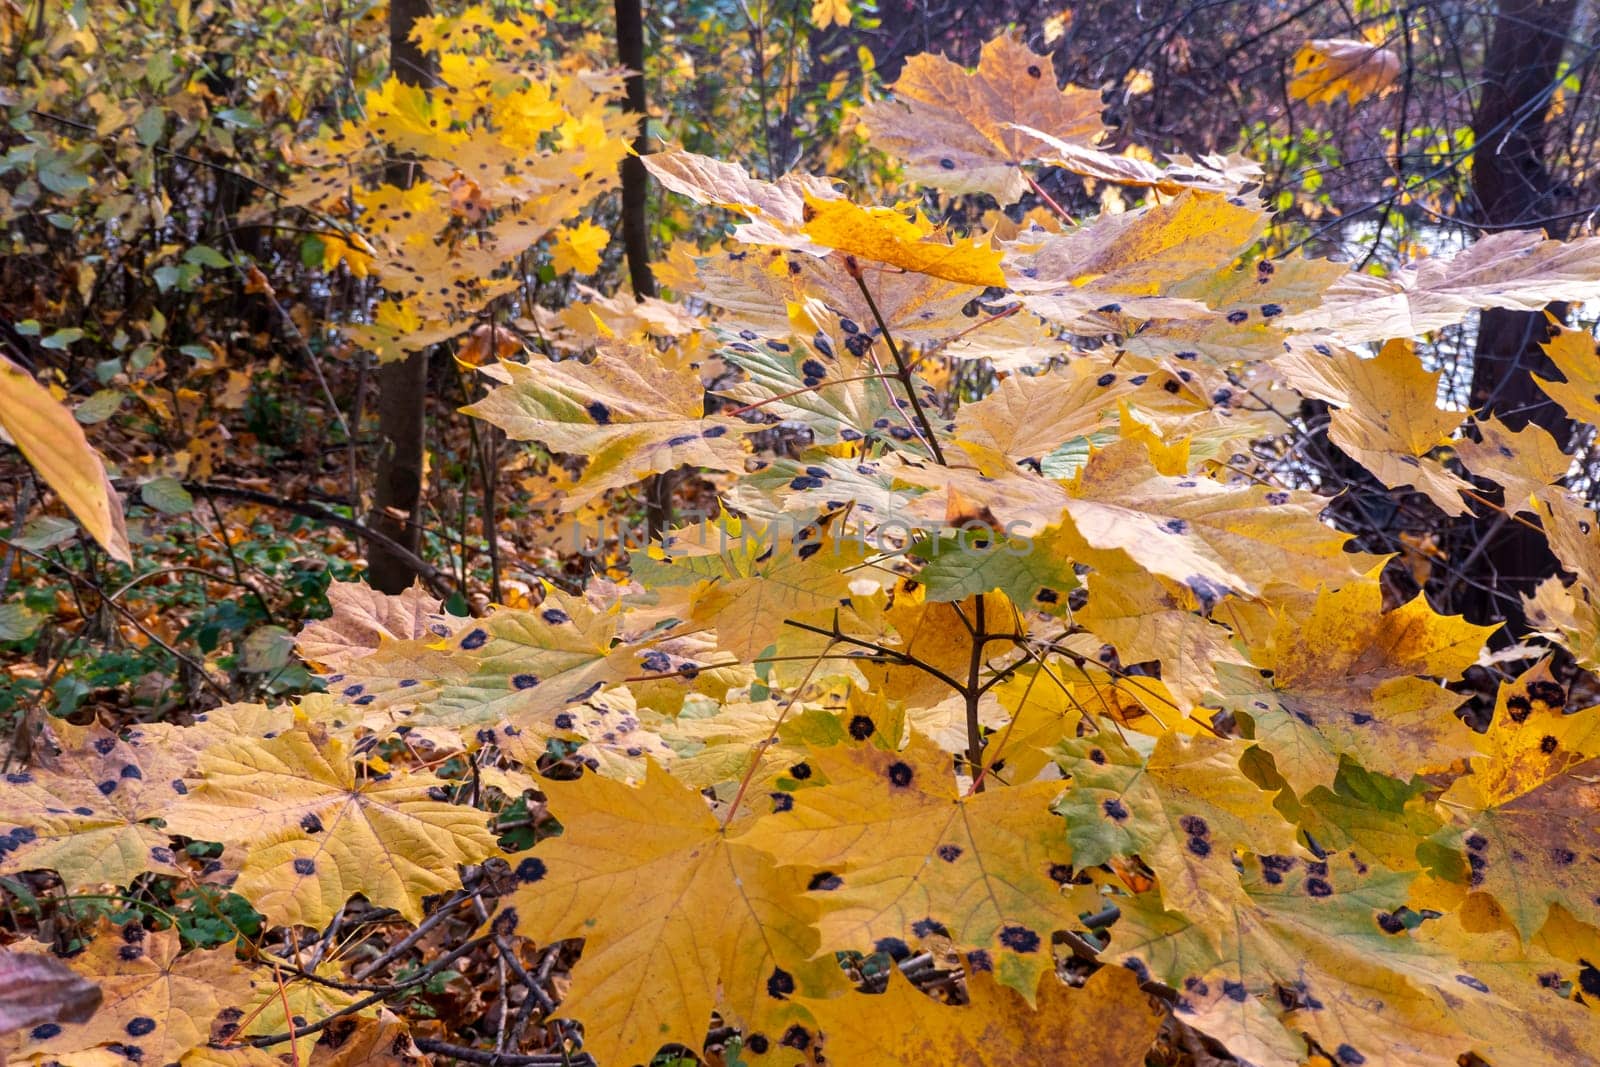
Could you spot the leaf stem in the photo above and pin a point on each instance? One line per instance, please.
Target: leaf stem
(904, 371)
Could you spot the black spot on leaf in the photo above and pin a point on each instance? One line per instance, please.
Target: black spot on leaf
(304, 866)
(824, 881)
(780, 984)
(862, 727)
(900, 774)
(948, 853)
(1114, 808)
(1019, 939)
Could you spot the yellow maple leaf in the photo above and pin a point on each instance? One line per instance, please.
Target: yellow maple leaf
(825, 13)
(1327, 69)
(314, 832)
(1108, 1022)
(157, 1006)
(577, 248)
(672, 913)
(887, 236)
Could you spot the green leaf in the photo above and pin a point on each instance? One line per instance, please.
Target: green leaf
(99, 407)
(166, 495)
(59, 173)
(206, 256)
(18, 622)
(47, 531)
(60, 340)
(267, 649)
(150, 125)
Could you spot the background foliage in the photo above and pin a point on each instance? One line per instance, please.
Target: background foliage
(1283, 705)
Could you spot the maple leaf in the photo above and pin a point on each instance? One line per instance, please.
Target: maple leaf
(1149, 252)
(87, 812)
(1322, 945)
(1035, 569)
(1528, 812)
(1184, 808)
(1517, 269)
(1214, 539)
(1523, 461)
(817, 378)
(886, 236)
(912, 856)
(629, 413)
(521, 666)
(754, 578)
(156, 1005)
(1027, 417)
(361, 619)
(757, 289)
(578, 248)
(1327, 69)
(776, 209)
(1146, 618)
(37, 989)
(958, 130)
(670, 911)
(1215, 173)
(1574, 352)
(1388, 419)
(1108, 1021)
(1345, 681)
(313, 832)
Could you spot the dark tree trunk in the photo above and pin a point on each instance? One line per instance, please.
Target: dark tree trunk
(635, 187)
(1499, 559)
(402, 385)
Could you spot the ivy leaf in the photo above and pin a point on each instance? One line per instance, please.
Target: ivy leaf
(314, 831)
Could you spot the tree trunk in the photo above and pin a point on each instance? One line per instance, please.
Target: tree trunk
(635, 187)
(1514, 190)
(402, 385)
